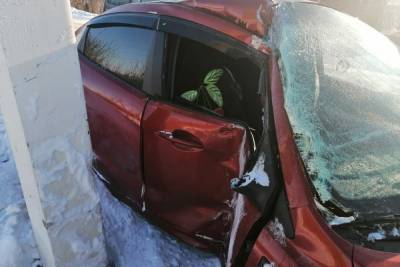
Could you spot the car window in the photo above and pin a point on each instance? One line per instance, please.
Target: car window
(205, 78)
(121, 50)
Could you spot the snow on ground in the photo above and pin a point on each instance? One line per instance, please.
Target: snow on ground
(131, 240)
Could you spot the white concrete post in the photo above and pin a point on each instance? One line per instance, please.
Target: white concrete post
(42, 102)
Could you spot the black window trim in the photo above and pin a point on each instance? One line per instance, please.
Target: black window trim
(207, 36)
(153, 82)
(135, 19)
(175, 25)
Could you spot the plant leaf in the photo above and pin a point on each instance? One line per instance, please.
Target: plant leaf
(215, 94)
(190, 95)
(213, 76)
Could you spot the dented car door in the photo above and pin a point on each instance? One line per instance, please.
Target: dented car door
(189, 161)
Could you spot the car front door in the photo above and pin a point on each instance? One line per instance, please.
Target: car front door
(114, 59)
(190, 158)
(189, 161)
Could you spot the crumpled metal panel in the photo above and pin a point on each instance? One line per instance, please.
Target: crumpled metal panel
(187, 182)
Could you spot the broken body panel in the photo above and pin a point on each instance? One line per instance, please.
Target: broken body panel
(193, 197)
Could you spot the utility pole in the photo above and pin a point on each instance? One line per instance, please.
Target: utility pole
(42, 103)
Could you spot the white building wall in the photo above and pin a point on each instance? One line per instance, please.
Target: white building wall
(43, 107)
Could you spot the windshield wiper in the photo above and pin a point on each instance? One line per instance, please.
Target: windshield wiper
(338, 209)
(376, 219)
(371, 222)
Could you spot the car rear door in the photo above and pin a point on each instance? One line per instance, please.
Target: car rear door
(115, 58)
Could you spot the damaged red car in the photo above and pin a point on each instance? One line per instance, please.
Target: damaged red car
(268, 134)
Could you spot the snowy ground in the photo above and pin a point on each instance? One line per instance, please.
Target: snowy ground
(131, 241)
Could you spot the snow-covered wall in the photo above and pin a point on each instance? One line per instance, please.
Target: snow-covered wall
(42, 102)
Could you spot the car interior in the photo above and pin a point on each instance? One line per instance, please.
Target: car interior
(239, 84)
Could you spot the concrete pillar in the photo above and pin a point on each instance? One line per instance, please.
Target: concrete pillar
(42, 102)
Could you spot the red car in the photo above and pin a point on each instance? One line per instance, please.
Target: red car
(267, 134)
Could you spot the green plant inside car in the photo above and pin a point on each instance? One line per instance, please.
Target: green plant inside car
(208, 94)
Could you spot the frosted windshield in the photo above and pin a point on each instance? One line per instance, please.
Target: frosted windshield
(342, 96)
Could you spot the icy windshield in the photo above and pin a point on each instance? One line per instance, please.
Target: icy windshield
(342, 96)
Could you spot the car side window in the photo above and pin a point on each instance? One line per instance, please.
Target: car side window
(203, 77)
(122, 50)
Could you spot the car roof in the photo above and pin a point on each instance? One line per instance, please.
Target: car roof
(242, 13)
(241, 20)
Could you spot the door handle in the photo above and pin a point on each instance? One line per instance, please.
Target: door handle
(182, 139)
